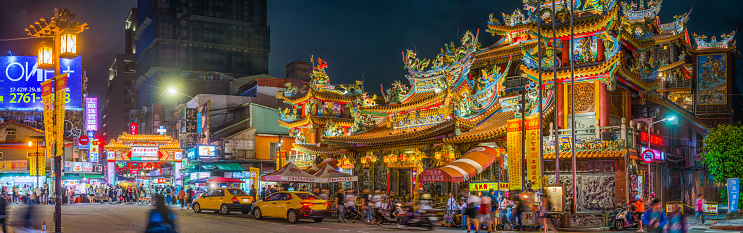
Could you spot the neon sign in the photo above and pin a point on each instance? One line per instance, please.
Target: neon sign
(91, 113)
(20, 82)
(654, 139)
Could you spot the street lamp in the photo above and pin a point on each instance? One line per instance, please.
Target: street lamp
(671, 118)
(63, 30)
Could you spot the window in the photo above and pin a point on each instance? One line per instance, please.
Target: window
(701, 179)
(219, 193)
(307, 196)
(274, 197)
(274, 148)
(209, 193)
(285, 196)
(237, 192)
(700, 142)
(675, 179)
(711, 179)
(1, 155)
(10, 131)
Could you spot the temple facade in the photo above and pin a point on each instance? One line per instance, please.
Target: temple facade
(629, 70)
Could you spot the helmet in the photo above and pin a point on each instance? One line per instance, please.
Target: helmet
(652, 194)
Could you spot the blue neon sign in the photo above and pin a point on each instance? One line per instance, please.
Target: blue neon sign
(20, 82)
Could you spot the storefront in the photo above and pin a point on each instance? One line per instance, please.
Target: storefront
(143, 159)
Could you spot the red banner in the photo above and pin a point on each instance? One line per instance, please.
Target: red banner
(47, 98)
(513, 146)
(60, 97)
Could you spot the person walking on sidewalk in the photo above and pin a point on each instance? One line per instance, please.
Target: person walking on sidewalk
(339, 205)
(654, 218)
(182, 197)
(699, 209)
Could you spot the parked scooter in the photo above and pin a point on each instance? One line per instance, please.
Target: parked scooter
(624, 219)
(390, 215)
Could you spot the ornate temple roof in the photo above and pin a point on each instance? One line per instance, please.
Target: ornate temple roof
(415, 101)
(322, 150)
(582, 25)
(381, 135)
(312, 119)
(588, 154)
(494, 126)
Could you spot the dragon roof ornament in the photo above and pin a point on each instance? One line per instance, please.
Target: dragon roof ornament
(726, 41)
(451, 65)
(677, 26)
(637, 13)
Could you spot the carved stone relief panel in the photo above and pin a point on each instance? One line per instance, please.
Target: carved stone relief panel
(583, 98)
(595, 191)
(616, 100)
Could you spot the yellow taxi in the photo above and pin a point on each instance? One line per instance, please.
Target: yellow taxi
(224, 200)
(291, 205)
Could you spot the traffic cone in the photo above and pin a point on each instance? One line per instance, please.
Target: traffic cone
(43, 227)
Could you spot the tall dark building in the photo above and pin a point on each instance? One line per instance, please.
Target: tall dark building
(120, 96)
(179, 41)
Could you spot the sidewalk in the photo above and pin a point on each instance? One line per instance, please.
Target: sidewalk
(730, 225)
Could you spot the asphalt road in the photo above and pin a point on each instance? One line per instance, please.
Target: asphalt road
(132, 218)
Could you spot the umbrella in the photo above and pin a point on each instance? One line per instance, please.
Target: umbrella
(291, 173)
(332, 175)
(224, 180)
(196, 181)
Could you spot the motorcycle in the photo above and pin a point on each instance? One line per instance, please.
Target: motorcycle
(352, 213)
(621, 220)
(423, 219)
(390, 215)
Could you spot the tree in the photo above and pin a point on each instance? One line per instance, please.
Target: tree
(723, 152)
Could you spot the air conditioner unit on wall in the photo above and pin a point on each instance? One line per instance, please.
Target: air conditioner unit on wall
(689, 156)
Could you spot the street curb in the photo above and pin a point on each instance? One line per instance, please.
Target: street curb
(594, 229)
(728, 228)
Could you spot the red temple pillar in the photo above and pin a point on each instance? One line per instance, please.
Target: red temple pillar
(600, 47)
(560, 104)
(565, 52)
(603, 105)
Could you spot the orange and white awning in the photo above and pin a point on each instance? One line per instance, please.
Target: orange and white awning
(470, 164)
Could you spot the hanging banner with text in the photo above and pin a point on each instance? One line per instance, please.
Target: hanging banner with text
(533, 165)
(33, 168)
(514, 150)
(47, 97)
(59, 107)
(733, 193)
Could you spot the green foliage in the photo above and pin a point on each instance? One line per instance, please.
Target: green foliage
(723, 152)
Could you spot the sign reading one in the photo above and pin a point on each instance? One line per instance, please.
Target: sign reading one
(144, 152)
(91, 113)
(21, 82)
(648, 156)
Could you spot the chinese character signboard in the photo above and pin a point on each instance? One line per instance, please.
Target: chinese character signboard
(191, 127)
(94, 150)
(199, 126)
(514, 150)
(156, 116)
(91, 113)
(733, 193)
(190, 114)
(144, 152)
(487, 186)
(533, 163)
(654, 139)
(22, 82)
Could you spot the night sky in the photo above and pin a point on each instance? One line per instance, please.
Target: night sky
(361, 40)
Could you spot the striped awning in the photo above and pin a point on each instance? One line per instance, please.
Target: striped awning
(470, 164)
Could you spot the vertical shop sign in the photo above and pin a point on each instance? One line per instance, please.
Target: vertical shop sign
(156, 116)
(533, 165)
(91, 113)
(59, 107)
(47, 97)
(513, 141)
(256, 174)
(733, 194)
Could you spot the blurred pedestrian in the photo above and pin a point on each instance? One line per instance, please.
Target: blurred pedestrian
(676, 222)
(544, 214)
(699, 209)
(472, 202)
(340, 206)
(350, 202)
(484, 211)
(3, 214)
(27, 223)
(182, 197)
(654, 218)
(161, 219)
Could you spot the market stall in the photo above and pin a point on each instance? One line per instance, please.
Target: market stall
(470, 164)
(291, 173)
(328, 174)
